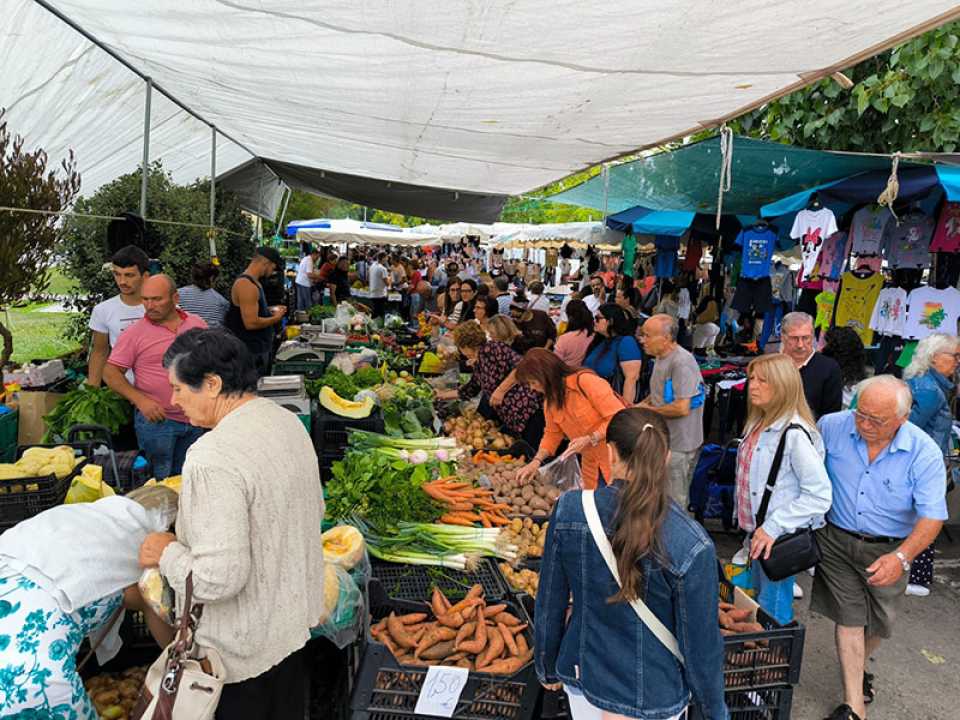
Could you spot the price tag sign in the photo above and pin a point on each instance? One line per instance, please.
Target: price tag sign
(441, 691)
(394, 297)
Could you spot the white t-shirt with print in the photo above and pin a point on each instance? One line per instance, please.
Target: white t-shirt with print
(890, 313)
(930, 310)
(812, 228)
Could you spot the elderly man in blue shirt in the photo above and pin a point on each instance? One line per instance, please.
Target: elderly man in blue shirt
(889, 504)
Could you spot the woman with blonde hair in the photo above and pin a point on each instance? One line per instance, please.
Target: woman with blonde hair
(777, 413)
(503, 329)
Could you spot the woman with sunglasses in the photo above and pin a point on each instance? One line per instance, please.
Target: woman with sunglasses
(931, 376)
(614, 353)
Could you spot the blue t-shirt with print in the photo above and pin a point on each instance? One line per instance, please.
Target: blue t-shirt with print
(603, 361)
(758, 246)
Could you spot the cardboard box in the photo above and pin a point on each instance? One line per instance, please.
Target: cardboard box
(34, 404)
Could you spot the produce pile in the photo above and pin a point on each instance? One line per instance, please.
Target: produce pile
(465, 504)
(476, 432)
(40, 462)
(346, 386)
(530, 498)
(469, 634)
(407, 408)
(87, 405)
(115, 694)
(736, 622)
(522, 580)
(528, 536)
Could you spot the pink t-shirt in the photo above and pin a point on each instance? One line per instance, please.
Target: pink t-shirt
(947, 237)
(141, 347)
(572, 347)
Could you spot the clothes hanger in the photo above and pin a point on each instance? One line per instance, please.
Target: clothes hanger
(814, 203)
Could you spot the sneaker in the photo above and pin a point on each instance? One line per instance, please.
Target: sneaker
(843, 712)
(797, 591)
(917, 590)
(741, 557)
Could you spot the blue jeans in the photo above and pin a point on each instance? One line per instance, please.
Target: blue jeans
(774, 597)
(771, 322)
(304, 297)
(165, 443)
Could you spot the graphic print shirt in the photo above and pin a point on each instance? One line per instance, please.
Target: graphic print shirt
(758, 248)
(867, 229)
(858, 295)
(930, 310)
(908, 244)
(812, 228)
(947, 237)
(890, 313)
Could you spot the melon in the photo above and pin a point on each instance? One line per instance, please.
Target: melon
(343, 407)
(331, 592)
(343, 546)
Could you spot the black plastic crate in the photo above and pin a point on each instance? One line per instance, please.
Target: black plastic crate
(416, 582)
(331, 432)
(22, 498)
(765, 659)
(761, 704)
(554, 705)
(386, 690)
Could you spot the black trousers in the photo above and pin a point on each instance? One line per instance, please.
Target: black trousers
(277, 694)
(379, 306)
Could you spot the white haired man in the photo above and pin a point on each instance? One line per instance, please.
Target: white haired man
(822, 379)
(889, 504)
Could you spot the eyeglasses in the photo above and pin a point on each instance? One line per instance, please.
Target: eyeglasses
(870, 420)
(956, 356)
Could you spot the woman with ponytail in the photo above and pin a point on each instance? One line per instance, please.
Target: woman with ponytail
(611, 664)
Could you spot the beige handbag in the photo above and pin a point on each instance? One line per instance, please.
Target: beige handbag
(176, 686)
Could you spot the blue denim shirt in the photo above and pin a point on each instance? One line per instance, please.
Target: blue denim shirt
(931, 406)
(605, 651)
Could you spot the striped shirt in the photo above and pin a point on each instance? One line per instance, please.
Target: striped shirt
(208, 304)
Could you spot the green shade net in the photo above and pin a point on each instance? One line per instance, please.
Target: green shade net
(688, 178)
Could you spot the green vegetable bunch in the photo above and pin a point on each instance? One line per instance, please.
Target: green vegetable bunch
(319, 313)
(346, 386)
(87, 405)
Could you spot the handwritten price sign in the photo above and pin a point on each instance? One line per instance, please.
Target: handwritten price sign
(441, 691)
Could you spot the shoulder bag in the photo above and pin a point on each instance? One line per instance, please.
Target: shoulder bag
(639, 607)
(792, 552)
(177, 687)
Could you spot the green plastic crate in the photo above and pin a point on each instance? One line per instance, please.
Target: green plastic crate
(9, 424)
(310, 369)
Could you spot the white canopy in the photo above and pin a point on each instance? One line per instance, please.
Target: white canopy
(354, 232)
(588, 233)
(500, 96)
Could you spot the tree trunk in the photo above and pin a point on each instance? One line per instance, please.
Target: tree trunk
(7, 345)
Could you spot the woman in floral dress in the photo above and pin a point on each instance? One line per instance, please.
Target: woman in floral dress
(64, 574)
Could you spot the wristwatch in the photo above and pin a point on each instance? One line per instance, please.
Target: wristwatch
(903, 561)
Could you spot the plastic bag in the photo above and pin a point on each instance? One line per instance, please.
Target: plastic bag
(562, 474)
(342, 622)
(344, 315)
(158, 594)
(88, 486)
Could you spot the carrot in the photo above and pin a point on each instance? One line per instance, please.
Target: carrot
(485, 521)
(436, 602)
(479, 642)
(494, 649)
(453, 519)
(456, 485)
(413, 618)
(452, 619)
(498, 519)
(493, 610)
(399, 633)
(508, 640)
(508, 666)
(465, 631)
(507, 619)
(432, 637)
(434, 492)
(460, 506)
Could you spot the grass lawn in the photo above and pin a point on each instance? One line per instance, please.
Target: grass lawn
(60, 284)
(37, 335)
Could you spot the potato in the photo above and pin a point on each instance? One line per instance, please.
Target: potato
(526, 510)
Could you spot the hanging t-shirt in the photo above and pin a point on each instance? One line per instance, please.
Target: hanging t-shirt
(825, 301)
(812, 228)
(947, 236)
(907, 245)
(873, 263)
(833, 256)
(867, 229)
(890, 312)
(666, 262)
(758, 245)
(930, 310)
(782, 284)
(858, 295)
(629, 248)
(691, 261)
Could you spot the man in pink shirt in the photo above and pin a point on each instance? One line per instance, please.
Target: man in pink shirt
(163, 431)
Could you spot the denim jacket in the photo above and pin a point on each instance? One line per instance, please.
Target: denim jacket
(931, 406)
(605, 651)
(802, 494)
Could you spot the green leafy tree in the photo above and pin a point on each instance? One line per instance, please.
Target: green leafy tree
(28, 241)
(904, 99)
(84, 249)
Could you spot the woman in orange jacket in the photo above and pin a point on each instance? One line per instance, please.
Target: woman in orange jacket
(578, 404)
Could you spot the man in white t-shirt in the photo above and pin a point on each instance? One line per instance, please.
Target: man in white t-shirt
(113, 316)
(379, 279)
(307, 275)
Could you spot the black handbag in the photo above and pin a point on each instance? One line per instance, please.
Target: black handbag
(792, 552)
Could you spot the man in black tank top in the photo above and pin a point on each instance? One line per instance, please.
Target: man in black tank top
(249, 317)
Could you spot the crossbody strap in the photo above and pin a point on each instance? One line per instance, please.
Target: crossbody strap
(775, 471)
(603, 545)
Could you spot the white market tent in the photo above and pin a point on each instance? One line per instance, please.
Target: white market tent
(587, 233)
(355, 232)
(438, 109)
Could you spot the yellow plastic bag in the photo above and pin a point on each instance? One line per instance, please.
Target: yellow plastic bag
(88, 486)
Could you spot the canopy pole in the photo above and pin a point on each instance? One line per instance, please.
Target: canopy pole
(283, 212)
(213, 194)
(605, 170)
(144, 166)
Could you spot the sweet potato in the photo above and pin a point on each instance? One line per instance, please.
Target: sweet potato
(493, 610)
(451, 619)
(399, 633)
(434, 636)
(439, 651)
(508, 666)
(506, 618)
(479, 642)
(494, 649)
(413, 618)
(436, 603)
(740, 615)
(465, 631)
(508, 640)
(517, 629)
(522, 646)
(472, 598)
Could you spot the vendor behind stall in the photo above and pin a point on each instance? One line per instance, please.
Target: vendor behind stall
(521, 412)
(66, 574)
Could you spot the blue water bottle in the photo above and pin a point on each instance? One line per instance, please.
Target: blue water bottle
(140, 472)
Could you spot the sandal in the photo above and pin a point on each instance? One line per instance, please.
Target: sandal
(868, 692)
(843, 712)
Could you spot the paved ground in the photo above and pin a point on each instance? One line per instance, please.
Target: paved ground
(916, 669)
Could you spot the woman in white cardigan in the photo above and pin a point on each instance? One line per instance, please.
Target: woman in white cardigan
(802, 493)
(251, 505)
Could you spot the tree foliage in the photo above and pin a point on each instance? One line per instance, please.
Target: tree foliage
(84, 248)
(28, 241)
(905, 99)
